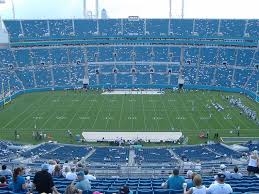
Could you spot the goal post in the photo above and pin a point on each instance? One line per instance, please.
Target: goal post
(6, 95)
(257, 92)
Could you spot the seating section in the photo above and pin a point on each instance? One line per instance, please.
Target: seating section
(67, 152)
(109, 155)
(40, 150)
(205, 152)
(149, 185)
(41, 68)
(223, 150)
(5, 151)
(153, 155)
(115, 57)
(82, 28)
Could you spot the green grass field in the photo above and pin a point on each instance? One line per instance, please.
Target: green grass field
(55, 112)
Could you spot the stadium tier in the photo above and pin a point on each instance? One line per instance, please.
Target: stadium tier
(124, 53)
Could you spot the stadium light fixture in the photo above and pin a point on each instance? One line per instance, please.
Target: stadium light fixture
(13, 9)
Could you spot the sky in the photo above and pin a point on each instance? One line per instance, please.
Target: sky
(53, 9)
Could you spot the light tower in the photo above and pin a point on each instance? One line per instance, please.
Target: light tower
(170, 9)
(97, 9)
(182, 9)
(84, 9)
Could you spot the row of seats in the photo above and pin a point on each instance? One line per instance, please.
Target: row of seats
(143, 155)
(70, 76)
(73, 55)
(150, 186)
(78, 28)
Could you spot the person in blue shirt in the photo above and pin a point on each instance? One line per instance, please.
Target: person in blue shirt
(175, 182)
(19, 185)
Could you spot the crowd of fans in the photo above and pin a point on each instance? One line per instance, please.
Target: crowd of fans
(19, 181)
(43, 179)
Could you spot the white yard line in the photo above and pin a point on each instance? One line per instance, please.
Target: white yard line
(144, 115)
(50, 117)
(178, 113)
(98, 112)
(121, 111)
(156, 115)
(82, 102)
(23, 113)
(195, 123)
(109, 115)
(165, 110)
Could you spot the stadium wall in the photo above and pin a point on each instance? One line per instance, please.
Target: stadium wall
(147, 86)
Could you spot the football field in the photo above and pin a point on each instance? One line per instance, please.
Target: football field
(190, 112)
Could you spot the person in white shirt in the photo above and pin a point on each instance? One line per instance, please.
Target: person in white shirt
(89, 176)
(252, 163)
(5, 171)
(198, 189)
(187, 165)
(223, 170)
(71, 175)
(220, 187)
(52, 165)
(197, 167)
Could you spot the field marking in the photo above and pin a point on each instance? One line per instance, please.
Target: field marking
(31, 113)
(156, 116)
(89, 109)
(176, 110)
(103, 96)
(144, 115)
(84, 118)
(121, 111)
(82, 102)
(132, 111)
(165, 109)
(183, 118)
(109, 118)
(36, 110)
(22, 113)
(50, 117)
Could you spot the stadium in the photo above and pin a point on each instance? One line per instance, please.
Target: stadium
(134, 100)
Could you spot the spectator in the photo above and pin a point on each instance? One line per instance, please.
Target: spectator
(124, 190)
(199, 188)
(5, 171)
(220, 187)
(71, 189)
(83, 183)
(197, 166)
(188, 180)
(175, 182)
(89, 176)
(252, 163)
(3, 182)
(18, 185)
(191, 184)
(187, 165)
(236, 174)
(71, 175)
(65, 171)
(66, 164)
(52, 164)
(57, 171)
(223, 170)
(43, 181)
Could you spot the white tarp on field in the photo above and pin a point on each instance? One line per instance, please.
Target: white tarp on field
(133, 136)
(145, 92)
